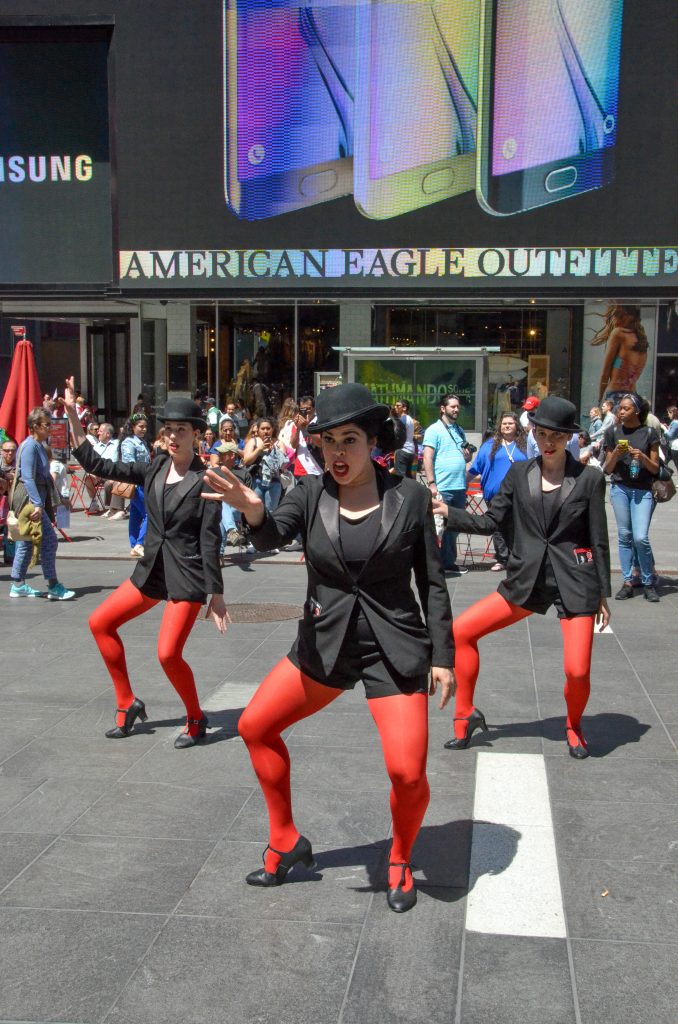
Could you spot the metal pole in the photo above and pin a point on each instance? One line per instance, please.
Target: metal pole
(217, 355)
(296, 350)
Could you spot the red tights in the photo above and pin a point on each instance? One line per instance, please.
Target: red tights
(495, 612)
(286, 696)
(127, 603)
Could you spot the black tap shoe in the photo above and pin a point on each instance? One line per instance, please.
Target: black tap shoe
(400, 901)
(137, 709)
(301, 852)
(476, 720)
(185, 739)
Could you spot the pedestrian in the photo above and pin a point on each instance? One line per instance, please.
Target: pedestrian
(445, 458)
(404, 457)
(632, 463)
(133, 448)
(551, 510)
(491, 463)
(671, 432)
(180, 564)
(33, 493)
(265, 462)
(364, 532)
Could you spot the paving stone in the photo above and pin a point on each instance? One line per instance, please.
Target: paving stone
(391, 982)
(640, 903)
(162, 811)
(633, 832)
(61, 966)
(242, 970)
(618, 982)
(338, 890)
(500, 971)
(110, 873)
(50, 806)
(16, 853)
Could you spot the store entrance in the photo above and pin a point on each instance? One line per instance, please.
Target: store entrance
(108, 359)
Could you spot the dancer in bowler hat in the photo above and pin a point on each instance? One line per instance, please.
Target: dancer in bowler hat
(364, 532)
(551, 512)
(180, 564)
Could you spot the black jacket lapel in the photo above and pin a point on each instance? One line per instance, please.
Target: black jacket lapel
(534, 484)
(159, 488)
(328, 510)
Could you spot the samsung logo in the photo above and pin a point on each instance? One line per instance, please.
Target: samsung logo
(16, 169)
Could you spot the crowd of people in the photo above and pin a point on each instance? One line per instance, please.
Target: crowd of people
(334, 479)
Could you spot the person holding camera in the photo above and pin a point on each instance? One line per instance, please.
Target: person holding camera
(265, 461)
(446, 453)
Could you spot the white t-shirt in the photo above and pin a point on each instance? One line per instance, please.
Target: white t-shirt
(59, 474)
(408, 445)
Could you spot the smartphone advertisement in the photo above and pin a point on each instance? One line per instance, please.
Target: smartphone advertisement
(358, 146)
(55, 175)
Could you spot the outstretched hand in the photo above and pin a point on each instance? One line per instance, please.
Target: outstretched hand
(448, 684)
(69, 393)
(226, 487)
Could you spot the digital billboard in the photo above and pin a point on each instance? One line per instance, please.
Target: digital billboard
(450, 144)
(55, 178)
(352, 146)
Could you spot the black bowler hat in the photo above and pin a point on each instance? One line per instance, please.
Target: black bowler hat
(184, 410)
(347, 403)
(555, 413)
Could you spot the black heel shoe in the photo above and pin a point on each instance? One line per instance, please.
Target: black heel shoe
(137, 709)
(185, 739)
(398, 900)
(579, 752)
(301, 852)
(476, 720)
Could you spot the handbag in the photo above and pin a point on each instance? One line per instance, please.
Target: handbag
(12, 523)
(123, 490)
(663, 487)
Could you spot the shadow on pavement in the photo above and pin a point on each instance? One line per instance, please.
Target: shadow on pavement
(604, 733)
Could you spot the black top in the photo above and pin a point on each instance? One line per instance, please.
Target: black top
(638, 437)
(405, 543)
(578, 521)
(550, 502)
(183, 528)
(358, 538)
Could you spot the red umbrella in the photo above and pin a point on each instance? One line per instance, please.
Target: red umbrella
(22, 393)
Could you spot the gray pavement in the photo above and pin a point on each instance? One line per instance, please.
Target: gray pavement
(121, 866)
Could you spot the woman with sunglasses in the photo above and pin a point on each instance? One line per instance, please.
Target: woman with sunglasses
(632, 463)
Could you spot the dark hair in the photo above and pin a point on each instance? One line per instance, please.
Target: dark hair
(130, 424)
(384, 430)
(521, 439)
(585, 436)
(405, 404)
(447, 397)
(672, 411)
(307, 399)
(640, 404)
(272, 421)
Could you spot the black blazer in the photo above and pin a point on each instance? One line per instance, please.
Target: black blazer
(579, 522)
(406, 542)
(186, 527)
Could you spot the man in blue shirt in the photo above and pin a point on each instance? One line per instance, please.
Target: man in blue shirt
(445, 468)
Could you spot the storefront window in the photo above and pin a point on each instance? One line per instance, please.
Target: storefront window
(535, 345)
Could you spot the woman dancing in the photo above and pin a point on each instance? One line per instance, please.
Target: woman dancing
(180, 564)
(363, 531)
(551, 510)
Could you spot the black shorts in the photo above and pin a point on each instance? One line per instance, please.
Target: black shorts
(361, 657)
(546, 593)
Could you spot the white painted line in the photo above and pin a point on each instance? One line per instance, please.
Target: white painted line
(608, 629)
(514, 883)
(228, 697)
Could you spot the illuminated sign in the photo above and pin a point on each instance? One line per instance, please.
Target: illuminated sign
(569, 267)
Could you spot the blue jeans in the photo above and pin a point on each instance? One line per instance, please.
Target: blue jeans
(457, 499)
(633, 510)
(269, 493)
(230, 520)
(137, 518)
(24, 553)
